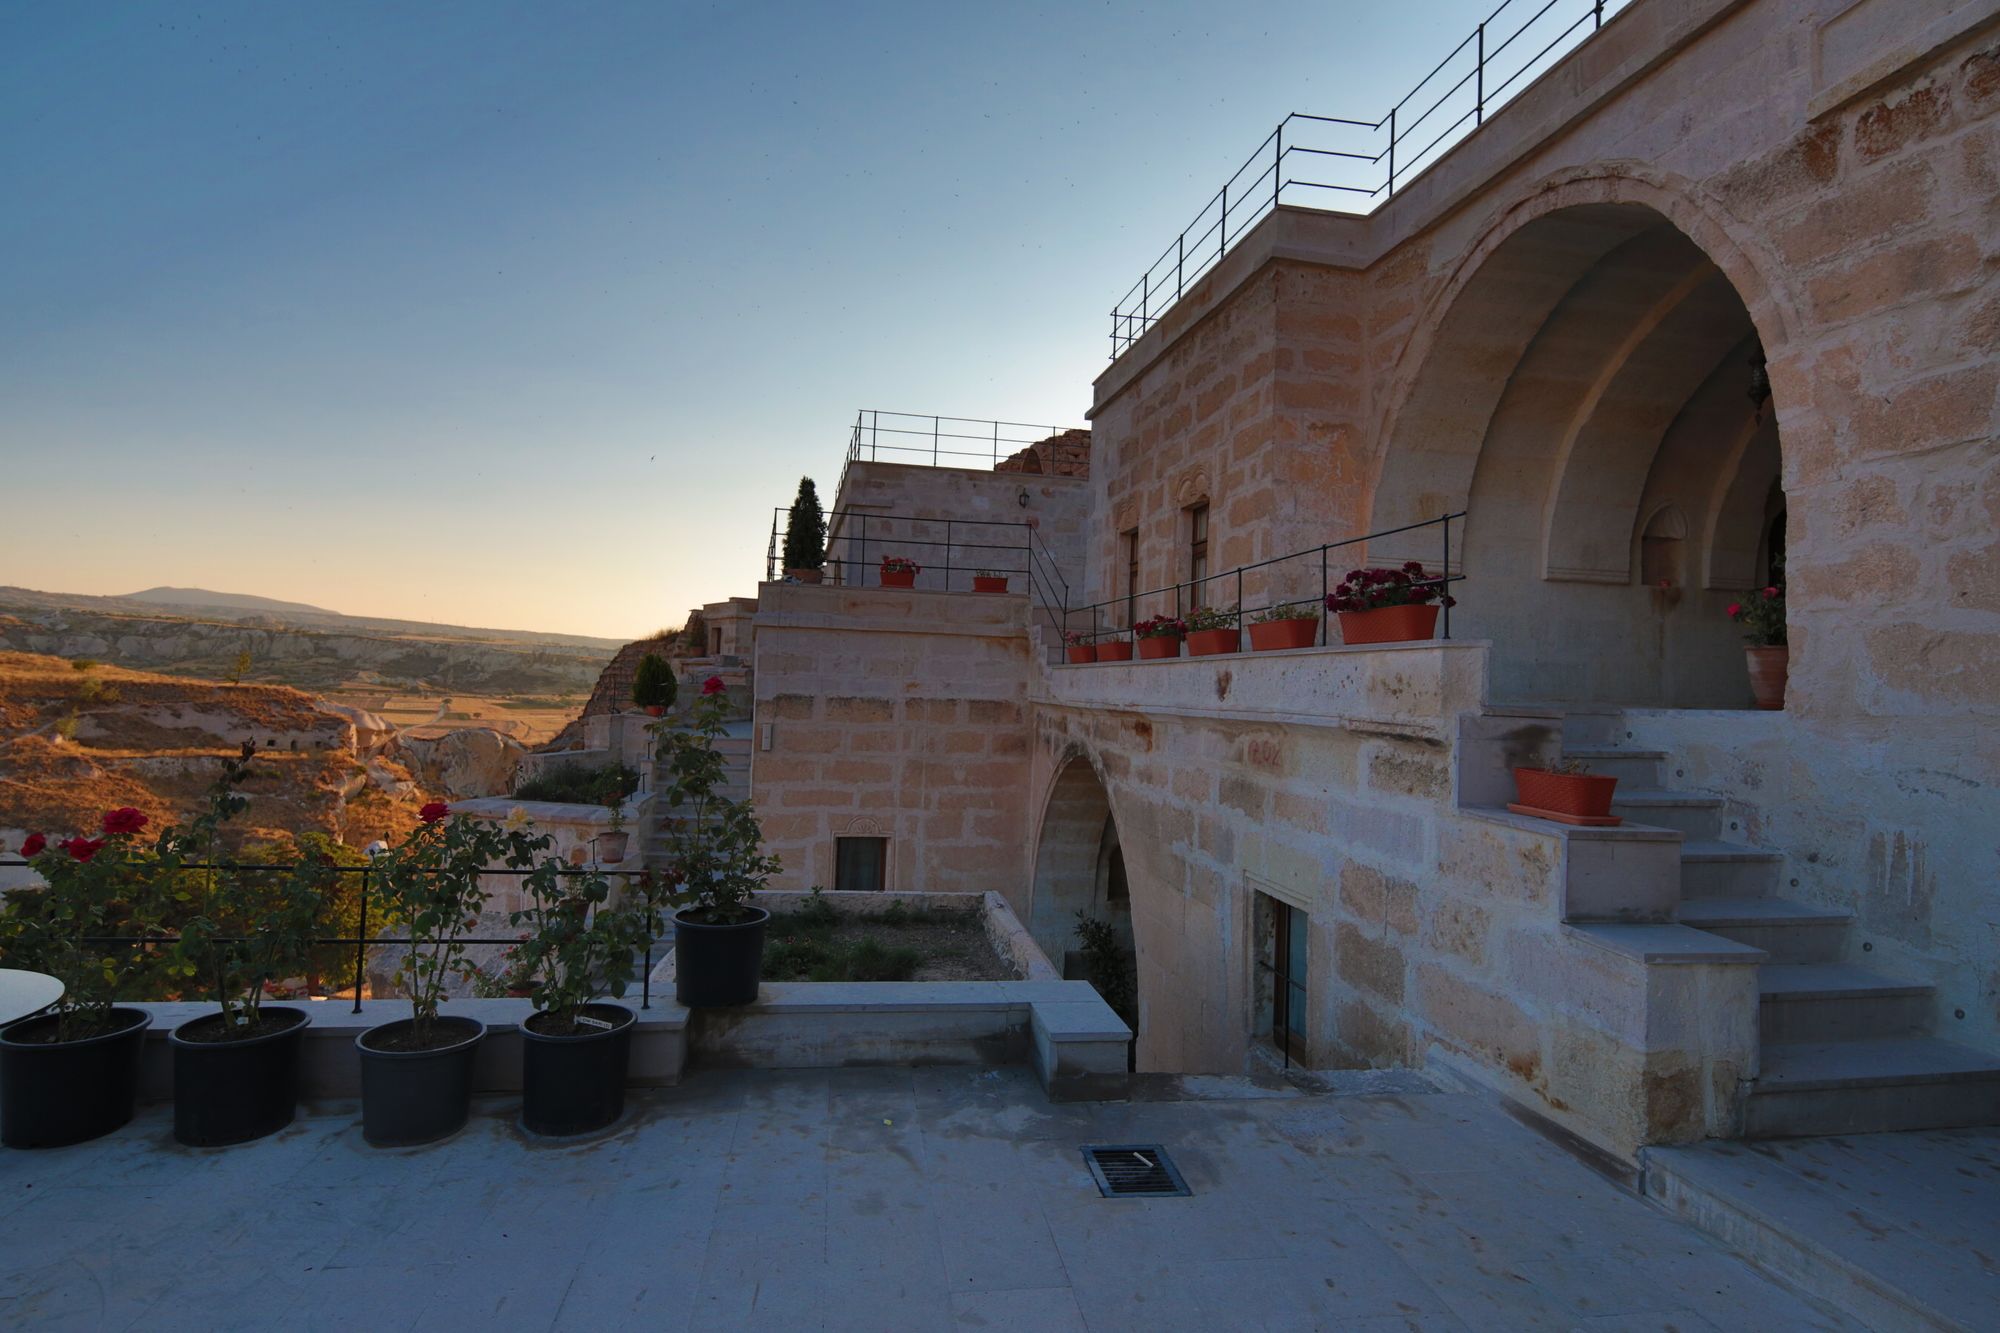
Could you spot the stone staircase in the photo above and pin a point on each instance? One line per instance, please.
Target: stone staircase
(734, 747)
(1844, 1049)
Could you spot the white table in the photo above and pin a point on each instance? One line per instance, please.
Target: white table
(24, 993)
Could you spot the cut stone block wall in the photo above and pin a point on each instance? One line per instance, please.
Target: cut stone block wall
(897, 714)
(905, 505)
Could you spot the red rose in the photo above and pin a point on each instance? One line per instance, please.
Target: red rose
(1735, 610)
(82, 849)
(32, 845)
(713, 685)
(433, 812)
(124, 820)
(1771, 591)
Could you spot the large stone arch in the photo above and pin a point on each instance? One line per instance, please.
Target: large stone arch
(1452, 368)
(1079, 863)
(1585, 369)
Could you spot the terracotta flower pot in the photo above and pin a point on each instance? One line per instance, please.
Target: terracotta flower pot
(988, 583)
(805, 575)
(1208, 642)
(1160, 645)
(656, 710)
(1115, 650)
(1272, 636)
(899, 578)
(1388, 624)
(1770, 668)
(1082, 652)
(1584, 794)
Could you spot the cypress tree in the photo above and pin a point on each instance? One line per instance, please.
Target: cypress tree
(805, 532)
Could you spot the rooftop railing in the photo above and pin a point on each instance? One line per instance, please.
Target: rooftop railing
(1354, 165)
(910, 437)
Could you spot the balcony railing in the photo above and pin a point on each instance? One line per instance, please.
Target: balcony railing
(910, 437)
(1286, 580)
(361, 941)
(1346, 165)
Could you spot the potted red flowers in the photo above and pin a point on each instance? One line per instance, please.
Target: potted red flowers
(1287, 625)
(989, 580)
(1388, 605)
(72, 1073)
(1566, 791)
(1114, 650)
(1160, 637)
(900, 571)
(1211, 631)
(1077, 647)
(1762, 615)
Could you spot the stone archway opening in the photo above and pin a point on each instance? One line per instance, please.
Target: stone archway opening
(1594, 397)
(1080, 868)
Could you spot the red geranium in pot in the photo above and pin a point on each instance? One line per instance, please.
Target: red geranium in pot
(1762, 615)
(1160, 637)
(989, 580)
(1388, 605)
(900, 571)
(1078, 647)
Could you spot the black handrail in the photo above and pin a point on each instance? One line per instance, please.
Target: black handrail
(1373, 144)
(1018, 545)
(361, 942)
(1184, 602)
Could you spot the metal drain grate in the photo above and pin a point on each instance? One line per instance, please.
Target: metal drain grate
(1134, 1171)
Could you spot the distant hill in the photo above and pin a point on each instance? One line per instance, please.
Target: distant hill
(203, 599)
(232, 607)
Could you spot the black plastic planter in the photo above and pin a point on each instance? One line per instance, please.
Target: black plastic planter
(235, 1091)
(57, 1093)
(410, 1097)
(717, 965)
(576, 1084)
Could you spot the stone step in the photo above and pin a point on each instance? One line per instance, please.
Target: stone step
(1790, 932)
(1865, 1087)
(1633, 768)
(1696, 816)
(1820, 1002)
(1592, 727)
(1711, 869)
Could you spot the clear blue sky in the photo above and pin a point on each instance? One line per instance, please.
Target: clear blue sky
(526, 315)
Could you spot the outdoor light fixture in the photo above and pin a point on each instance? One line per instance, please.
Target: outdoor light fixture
(1022, 498)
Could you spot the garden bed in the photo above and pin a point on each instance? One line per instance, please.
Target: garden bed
(814, 942)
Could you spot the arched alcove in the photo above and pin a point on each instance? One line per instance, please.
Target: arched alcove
(1589, 393)
(1080, 867)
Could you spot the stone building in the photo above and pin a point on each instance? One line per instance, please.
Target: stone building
(1710, 303)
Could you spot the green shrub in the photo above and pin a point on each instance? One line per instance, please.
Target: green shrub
(653, 684)
(573, 784)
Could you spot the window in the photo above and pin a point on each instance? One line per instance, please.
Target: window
(715, 642)
(1197, 546)
(1130, 539)
(860, 864)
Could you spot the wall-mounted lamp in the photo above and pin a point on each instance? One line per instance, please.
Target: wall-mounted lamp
(1022, 498)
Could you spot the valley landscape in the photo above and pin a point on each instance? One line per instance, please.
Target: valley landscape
(112, 701)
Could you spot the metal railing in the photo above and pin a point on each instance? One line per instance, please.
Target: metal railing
(362, 941)
(1361, 162)
(1300, 576)
(912, 437)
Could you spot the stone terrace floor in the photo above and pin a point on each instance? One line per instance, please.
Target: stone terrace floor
(871, 1199)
